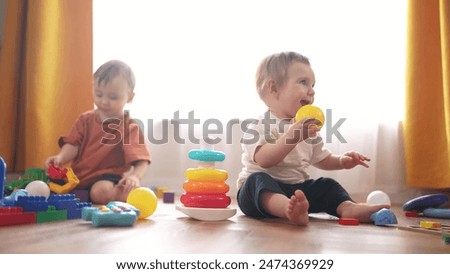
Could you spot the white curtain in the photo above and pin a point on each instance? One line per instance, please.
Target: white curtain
(199, 58)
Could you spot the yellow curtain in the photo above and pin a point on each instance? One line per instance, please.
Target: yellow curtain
(46, 77)
(427, 120)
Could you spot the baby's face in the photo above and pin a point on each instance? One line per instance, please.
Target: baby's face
(111, 98)
(296, 92)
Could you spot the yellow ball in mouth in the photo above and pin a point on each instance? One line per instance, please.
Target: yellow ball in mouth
(310, 111)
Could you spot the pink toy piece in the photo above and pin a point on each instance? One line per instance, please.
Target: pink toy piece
(205, 200)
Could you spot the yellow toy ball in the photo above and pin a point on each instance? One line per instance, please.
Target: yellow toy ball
(310, 111)
(143, 199)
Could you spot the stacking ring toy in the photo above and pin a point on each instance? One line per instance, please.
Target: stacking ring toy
(206, 187)
(206, 155)
(310, 111)
(212, 174)
(205, 200)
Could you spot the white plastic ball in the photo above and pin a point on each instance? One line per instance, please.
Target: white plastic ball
(38, 188)
(378, 197)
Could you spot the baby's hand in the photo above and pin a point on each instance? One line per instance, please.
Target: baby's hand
(351, 159)
(55, 160)
(304, 129)
(129, 182)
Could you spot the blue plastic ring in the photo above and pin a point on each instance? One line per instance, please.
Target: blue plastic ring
(206, 155)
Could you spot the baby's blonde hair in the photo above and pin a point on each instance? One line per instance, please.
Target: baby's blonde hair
(111, 69)
(275, 67)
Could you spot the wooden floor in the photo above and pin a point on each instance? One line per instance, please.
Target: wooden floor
(168, 231)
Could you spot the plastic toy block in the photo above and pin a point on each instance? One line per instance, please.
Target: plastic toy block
(76, 213)
(348, 221)
(30, 175)
(81, 194)
(113, 214)
(428, 224)
(16, 216)
(86, 212)
(446, 237)
(160, 191)
(384, 217)
(72, 182)
(69, 203)
(63, 201)
(51, 215)
(412, 214)
(32, 203)
(169, 197)
(2, 180)
(56, 173)
(11, 200)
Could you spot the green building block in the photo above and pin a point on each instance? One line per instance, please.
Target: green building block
(31, 174)
(51, 215)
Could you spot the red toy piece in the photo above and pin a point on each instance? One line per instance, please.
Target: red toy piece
(348, 221)
(56, 173)
(16, 216)
(205, 200)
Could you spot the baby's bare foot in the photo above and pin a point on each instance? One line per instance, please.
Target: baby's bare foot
(360, 211)
(297, 210)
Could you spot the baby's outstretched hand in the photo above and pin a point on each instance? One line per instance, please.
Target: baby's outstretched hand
(351, 159)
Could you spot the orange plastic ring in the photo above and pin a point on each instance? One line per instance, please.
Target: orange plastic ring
(206, 187)
(205, 200)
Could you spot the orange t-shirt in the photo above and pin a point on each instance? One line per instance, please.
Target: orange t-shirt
(109, 147)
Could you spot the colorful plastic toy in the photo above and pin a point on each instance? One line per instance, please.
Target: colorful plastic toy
(206, 190)
(205, 200)
(30, 175)
(207, 187)
(430, 224)
(384, 217)
(16, 216)
(440, 213)
(12, 199)
(68, 186)
(113, 214)
(2, 180)
(310, 111)
(69, 203)
(424, 202)
(206, 155)
(348, 221)
(144, 199)
(51, 215)
(206, 174)
(55, 173)
(168, 197)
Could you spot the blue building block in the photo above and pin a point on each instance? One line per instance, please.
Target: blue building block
(32, 203)
(2, 180)
(67, 202)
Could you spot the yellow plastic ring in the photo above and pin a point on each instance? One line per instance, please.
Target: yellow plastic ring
(200, 174)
